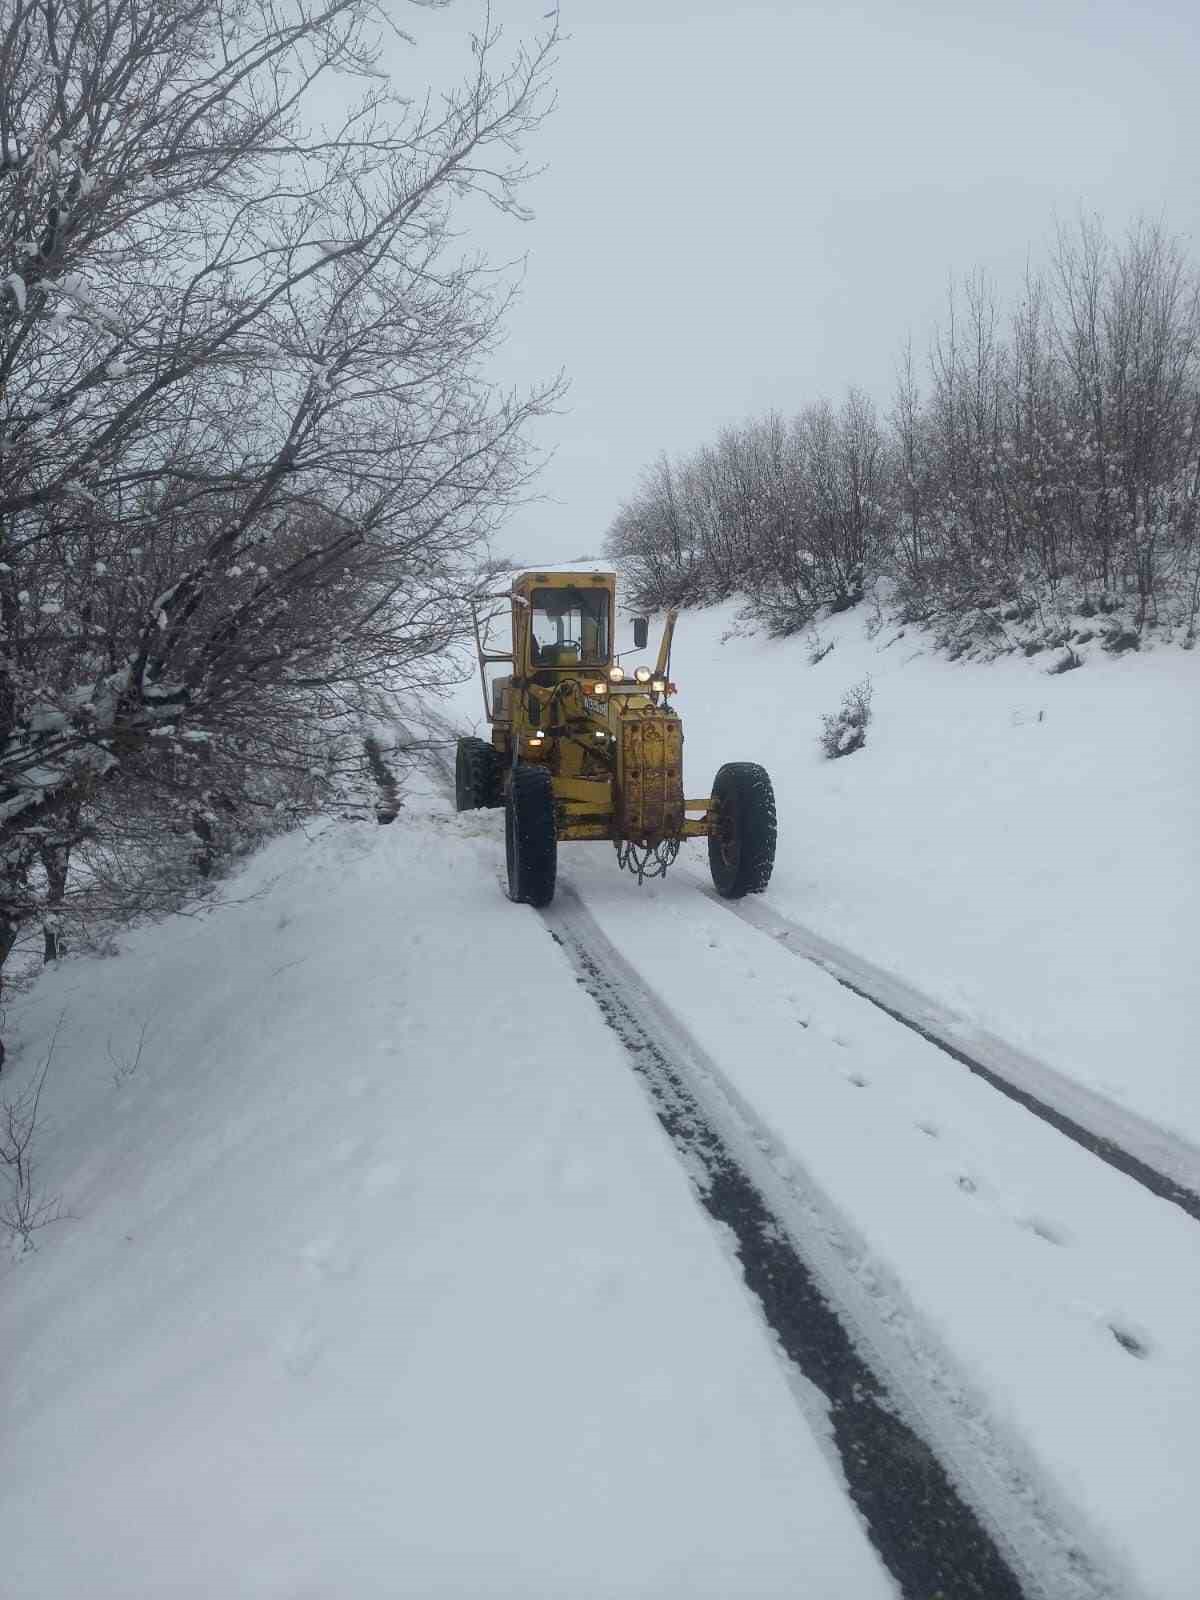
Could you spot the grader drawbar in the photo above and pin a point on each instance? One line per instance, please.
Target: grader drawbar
(582, 748)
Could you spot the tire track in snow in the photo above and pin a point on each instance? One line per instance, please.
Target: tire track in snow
(912, 1449)
(1161, 1162)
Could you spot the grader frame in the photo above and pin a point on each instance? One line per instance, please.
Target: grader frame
(580, 749)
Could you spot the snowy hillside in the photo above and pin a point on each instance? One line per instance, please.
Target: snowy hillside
(379, 1277)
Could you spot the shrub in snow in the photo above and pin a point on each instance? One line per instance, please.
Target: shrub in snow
(24, 1208)
(846, 730)
(1066, 663)
(388, 806)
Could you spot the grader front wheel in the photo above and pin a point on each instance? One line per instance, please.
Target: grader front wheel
(476, 776)
(741, 849)
(530, 837)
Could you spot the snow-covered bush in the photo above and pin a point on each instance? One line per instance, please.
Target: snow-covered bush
(845, 730)
(24, 1206)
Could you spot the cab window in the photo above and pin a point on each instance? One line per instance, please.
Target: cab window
(569, 627)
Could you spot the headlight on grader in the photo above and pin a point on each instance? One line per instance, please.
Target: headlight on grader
(643, 674)
(600, 689)
(616, 674)
(659, 685)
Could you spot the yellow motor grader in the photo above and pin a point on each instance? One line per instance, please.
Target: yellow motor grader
(582, 748)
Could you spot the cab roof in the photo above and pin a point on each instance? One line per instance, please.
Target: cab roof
(565, 580)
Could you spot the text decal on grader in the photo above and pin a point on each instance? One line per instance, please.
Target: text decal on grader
(581, 749)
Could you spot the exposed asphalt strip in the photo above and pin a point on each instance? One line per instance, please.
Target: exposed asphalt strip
(928, 1536)
(1166, 1166)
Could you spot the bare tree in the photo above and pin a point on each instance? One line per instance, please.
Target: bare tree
(26, 1207)
(246, 440)
(1127, 324)
(1052, 465)
(910, 480)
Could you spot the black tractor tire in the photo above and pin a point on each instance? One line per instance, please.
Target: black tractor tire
(477, 776)
(741, 853)
(530, 836)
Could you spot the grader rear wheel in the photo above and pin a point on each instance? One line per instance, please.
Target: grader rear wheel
(741, 851)
(530, 836)
(476, 776)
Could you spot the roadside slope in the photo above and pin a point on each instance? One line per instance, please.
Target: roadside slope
(1023, 847)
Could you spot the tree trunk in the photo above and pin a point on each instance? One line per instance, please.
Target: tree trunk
(56, 863)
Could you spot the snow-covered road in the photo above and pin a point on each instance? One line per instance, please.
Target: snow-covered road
(1037, 1310)
(1015, 1246)
(996, 1265)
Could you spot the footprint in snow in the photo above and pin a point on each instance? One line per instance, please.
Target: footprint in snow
(347, 1151)
(966, 1183)
(929, 1129)
(326, 1257)
(383, 1175)
(300, 1346)
(1136, 1343)
(834, 1036)
(1044, 1229)
(857, 1079)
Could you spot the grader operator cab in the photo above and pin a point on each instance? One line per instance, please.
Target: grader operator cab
(581, 748)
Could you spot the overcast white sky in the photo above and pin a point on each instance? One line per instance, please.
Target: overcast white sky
(747, 207)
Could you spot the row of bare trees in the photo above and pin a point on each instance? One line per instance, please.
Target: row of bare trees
(247, 444)
(1057, 447)
(789, 511)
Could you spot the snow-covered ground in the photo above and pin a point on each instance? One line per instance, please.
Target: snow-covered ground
(380, 1278)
